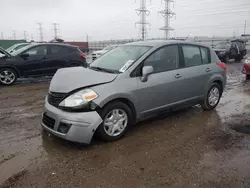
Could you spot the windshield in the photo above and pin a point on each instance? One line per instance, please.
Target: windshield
(223, 46)
(120, 58)
(21, 50)
(109, 48)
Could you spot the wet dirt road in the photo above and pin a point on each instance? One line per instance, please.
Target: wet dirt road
(189, 148)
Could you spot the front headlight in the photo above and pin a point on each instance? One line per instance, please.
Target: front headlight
(79, 98)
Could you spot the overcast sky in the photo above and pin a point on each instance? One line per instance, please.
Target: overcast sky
(114, 19)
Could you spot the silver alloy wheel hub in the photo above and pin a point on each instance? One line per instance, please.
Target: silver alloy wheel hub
(213, 96)
(7, 77)
(115, 122)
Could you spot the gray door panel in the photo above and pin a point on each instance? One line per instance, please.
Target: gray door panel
(160, 90)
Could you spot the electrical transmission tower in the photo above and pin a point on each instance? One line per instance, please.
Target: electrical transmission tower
(14, 34)
(167, 14)
(55, 29)
(143, 13)
(25, 35)
(40, 31)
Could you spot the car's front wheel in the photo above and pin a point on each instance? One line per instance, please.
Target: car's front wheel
(212, 98)
(117, 117)
(8, 76)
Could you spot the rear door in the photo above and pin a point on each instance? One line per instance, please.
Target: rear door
(195, 71)
(57, 57)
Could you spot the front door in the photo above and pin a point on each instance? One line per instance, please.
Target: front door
(36, 63)
(161, 88)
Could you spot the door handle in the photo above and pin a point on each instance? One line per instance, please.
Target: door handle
(208, 69)
(178, 76)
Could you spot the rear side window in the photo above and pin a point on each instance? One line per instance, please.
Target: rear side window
(205, 55)
(192, 55)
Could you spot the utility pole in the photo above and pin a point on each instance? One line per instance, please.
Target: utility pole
(87, 37)
(32, 38)
(55, 28)
(40, 31)
(2, 35)
(167, 14)
(143, 12)
(245, 27)
(14, 34)
(25, 35)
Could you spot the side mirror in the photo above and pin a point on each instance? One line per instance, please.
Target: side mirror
(25, 56)
(146, 71)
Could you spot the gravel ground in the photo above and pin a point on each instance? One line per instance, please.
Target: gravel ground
(188, 148)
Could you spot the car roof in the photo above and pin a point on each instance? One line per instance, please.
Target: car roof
(159, 43)
(55, 44)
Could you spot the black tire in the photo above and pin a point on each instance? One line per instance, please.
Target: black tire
(226, 59)
(11, 71)
(248, 77)
(101, 133)
(206, 105)
(238, 58)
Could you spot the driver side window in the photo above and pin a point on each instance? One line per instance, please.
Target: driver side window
(164, 59)
(38, 50)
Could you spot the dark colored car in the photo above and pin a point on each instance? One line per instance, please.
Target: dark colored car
(235, 49)
(38, 60)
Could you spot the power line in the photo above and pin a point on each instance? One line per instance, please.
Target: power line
(143, 12)
(55, 29)
(40, 31)
(167, 14)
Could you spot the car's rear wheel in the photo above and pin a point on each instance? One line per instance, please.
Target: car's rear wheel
(8, 76)
(212, 98)
(248, 77)
(226, 59)
(117, 117)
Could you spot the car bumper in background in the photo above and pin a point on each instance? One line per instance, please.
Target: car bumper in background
(72, 126)
(95, 56)
(246, 68)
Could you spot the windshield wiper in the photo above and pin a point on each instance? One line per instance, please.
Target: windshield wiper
(103, 69)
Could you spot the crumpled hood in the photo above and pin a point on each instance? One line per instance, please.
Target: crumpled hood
(68, 79)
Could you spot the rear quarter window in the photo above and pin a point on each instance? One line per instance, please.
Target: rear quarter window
(205, 55)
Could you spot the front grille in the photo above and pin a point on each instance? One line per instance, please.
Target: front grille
(55, 98)
(48, 121)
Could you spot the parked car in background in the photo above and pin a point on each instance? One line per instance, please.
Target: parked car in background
(231, 50)
(246, 68)
(38, 60)
(97, 54)
(16, 47)
(132, 82)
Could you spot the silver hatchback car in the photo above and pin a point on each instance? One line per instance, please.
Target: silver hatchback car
(131, 83)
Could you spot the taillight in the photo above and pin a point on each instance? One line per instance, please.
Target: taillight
(222, 65)
(83, 55)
